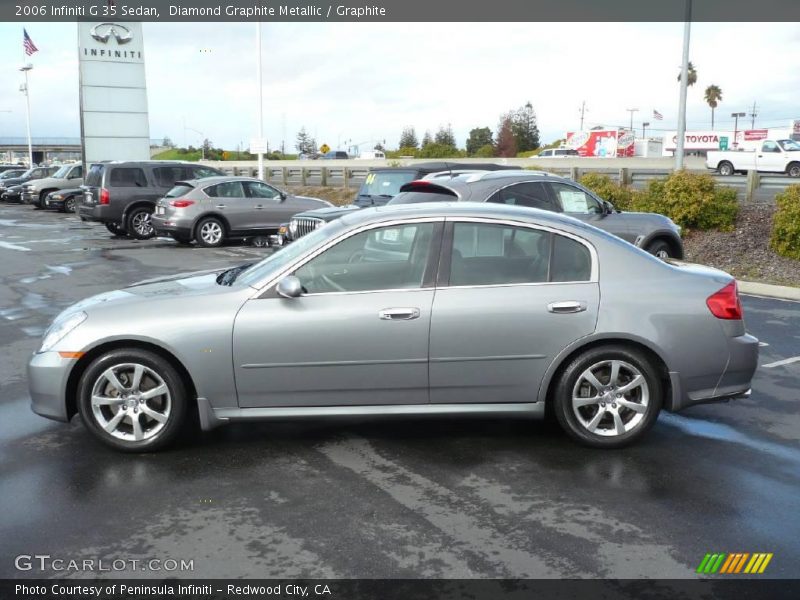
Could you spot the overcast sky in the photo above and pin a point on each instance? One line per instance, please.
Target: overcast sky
(366, 81)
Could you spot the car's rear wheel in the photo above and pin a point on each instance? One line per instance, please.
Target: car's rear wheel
(726, 168)
(608, 397)
(138, 223)
(132, 400)
(210, 233)
(660, 249)
(793, 170)
(115, 228)
(39, 204)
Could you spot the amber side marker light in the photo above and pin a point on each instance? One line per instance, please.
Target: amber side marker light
(71, 354)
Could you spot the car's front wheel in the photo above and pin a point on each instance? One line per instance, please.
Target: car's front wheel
(69, 204)
(132, 400)
(608, 397)
(210, 233)
(138, 223)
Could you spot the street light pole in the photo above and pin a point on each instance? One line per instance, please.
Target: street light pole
(644, 128)
(736, 116)
(25, 70)
(687, 30)
(260, 106)
(632, 110)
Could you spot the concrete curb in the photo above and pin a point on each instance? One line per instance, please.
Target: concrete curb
(771, 291)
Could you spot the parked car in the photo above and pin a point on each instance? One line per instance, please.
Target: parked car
(372, 155)
(29, 175)
(772, 156)
(335, 155)
(380, 186)
(11, 174)
(4, 168)
(68, 176)
(655, 233)
(122, 194)
(64, 200)
(557, 153)
(212, 210)
(429, 309)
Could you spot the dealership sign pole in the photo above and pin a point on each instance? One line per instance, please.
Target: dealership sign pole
(260, 107)
(684, 87)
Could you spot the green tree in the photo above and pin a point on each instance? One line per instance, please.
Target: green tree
(304, 143)
(427, 139)
(486, 151)
(167, 142)
(506, 142)
(713, 96)
(408, 139)
(478, 138)
(524, 127)
(692, 74)
(445, 137)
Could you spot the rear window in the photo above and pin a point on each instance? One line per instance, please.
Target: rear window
(415, 197)
(179, 190)
(95, 175)
(200, 172)
(127, 177)
(385, 183)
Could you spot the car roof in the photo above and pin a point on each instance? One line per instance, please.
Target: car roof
(437, 166)
(217, 179)
(488, 180)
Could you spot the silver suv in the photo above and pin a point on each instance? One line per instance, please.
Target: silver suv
(655, 233)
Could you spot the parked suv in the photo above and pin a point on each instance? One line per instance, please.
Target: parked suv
(655, 233)
(122, 195)
(213, 209)
(11, 188)
(380, 186)
(68, 176)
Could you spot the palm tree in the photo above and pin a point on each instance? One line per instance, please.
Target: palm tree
(691, 73)
(713, 96)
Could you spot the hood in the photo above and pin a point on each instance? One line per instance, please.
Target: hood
(48, 181)
(328, 213)
(653, 219)
(311, 203)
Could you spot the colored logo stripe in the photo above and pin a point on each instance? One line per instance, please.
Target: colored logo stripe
(734, 563)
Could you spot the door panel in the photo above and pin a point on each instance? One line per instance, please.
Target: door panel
(493, 344)
(268, 210)
(333, 349)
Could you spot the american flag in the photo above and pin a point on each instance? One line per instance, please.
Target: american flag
(27, 42)
(657, 115)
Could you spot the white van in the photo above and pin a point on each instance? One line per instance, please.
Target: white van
(372, 155)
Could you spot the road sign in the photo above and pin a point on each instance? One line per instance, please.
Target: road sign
(723, 143)
(324, 148)
(258, 146)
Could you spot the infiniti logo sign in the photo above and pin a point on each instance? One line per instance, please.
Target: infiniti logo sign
(103, 31)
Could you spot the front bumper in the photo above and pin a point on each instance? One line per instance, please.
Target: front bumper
(11, 196)
(51, 202)
(28, 197)
(47, 382)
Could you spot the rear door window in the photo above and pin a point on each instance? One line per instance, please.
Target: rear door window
(229, 189)
(167, 176)
(531, 194)
(571, 260)
(128, 177)
(256, 189)
(575, 200)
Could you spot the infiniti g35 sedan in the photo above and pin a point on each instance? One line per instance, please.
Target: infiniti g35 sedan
(443, 308)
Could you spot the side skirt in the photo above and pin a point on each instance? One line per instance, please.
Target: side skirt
(211, 417)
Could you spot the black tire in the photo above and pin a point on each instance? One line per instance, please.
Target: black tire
(70, 206)
(210, 233)
(39, 204)
(116, 229)
(726, 168)
(599, 360)
(660, 249)
(793, 170)
(173, 406)
(138, 223)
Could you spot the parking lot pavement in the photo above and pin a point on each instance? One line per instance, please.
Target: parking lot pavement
(444, 497)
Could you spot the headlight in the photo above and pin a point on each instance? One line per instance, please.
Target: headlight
(59, 329)
(293, 227)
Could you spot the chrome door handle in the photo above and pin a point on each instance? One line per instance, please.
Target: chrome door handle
(259, 206)
(570, 306)
(220, 206)
(398, 314)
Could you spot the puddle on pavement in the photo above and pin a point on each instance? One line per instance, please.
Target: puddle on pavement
(34, 301)
(12, 314)
(10, 246)
(33, 331)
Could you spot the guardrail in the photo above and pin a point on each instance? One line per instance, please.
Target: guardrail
(753, 186)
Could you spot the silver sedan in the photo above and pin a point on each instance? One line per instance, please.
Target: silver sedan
(417, 309)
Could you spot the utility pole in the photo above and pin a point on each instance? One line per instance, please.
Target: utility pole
(687, 30)
(24, 89)
(753, 116)
(632, 110)
(736, 116)
(583, 113)
(260, 106)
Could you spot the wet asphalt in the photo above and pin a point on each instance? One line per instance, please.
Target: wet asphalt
(368, 498)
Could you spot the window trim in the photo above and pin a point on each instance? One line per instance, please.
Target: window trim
(450, 223)
(266, 288)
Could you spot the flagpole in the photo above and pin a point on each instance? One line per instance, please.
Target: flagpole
(25, 69)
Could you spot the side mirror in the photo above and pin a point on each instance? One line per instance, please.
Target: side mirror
(283, 196)
(608, 208)
(289, 287)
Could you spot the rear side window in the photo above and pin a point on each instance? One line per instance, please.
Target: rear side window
(178, 191)
(229, 189)
(571, 260)
(127, 177)
(574, 200)
(95, 175)
(532, 195)
(167, 176)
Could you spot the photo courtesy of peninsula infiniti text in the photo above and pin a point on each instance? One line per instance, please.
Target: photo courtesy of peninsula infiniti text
(417, 309)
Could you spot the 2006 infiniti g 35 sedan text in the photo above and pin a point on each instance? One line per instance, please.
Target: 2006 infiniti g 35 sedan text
(416, 309)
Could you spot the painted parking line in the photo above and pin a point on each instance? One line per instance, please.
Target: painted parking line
(780, 363)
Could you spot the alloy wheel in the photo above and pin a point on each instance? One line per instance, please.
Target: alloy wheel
(140, 223)
(211, 233)
(610, 398)
(131, 402)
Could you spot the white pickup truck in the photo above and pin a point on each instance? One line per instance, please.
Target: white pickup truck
(771, 156)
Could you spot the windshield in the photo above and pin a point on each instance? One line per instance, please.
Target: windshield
(179, 190)
(385, 183)
(10, 174)
(62, 172)
(278, 260)
(789, 145)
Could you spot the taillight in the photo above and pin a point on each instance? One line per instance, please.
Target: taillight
(104, 196)
(725, 304)
(181, 203)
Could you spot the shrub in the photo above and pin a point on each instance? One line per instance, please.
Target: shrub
(602, 185)
(691, 200)
(485, 151)
(785, 238)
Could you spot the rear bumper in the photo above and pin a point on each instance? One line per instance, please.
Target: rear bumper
(163, 226)
(101, 213)
(735, 381)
